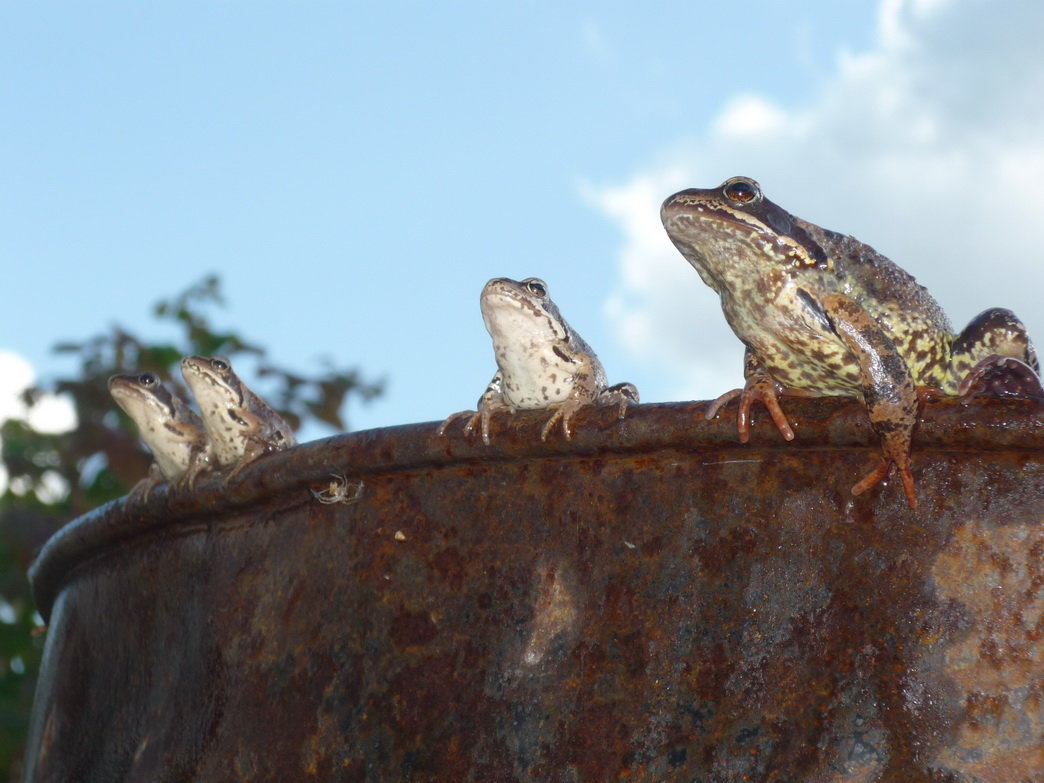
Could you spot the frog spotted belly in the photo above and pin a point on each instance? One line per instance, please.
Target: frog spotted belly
(527, 390)
(818, 366)
(797, 349)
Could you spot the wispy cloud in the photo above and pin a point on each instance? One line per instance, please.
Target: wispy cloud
(928, 147)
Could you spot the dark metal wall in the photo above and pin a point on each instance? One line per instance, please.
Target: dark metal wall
(649, 602)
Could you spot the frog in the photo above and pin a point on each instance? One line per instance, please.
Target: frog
(173, 432)
(542, 363)
(242, 427)
(823, 314)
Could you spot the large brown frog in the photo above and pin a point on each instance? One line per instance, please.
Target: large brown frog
(822, 314)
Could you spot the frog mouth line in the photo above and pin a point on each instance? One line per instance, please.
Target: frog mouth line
(512, 298)
(742, 226)
(219, 385)
(133, 395)
(724, 214)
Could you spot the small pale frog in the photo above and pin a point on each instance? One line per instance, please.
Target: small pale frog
(822, 314)
(171, 429)
(241, 426)
(543, 363)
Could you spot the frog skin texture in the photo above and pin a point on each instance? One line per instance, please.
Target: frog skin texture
(542, 362)
(171, 429)
(822, 314)
(241, 426)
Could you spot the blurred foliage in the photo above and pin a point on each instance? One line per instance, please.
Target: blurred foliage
(53, 478)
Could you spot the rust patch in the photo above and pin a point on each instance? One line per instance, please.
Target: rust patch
(648, 601)
(996, 572)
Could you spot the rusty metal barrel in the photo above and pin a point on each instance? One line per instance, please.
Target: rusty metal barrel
(649, 601)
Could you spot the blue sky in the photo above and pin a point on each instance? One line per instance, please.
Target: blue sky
(355, 173)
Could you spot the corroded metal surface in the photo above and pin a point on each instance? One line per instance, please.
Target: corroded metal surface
(650, 601)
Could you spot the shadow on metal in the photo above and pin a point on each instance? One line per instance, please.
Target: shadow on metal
(649, 601)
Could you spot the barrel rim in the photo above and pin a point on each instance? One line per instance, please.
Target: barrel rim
(981, 424)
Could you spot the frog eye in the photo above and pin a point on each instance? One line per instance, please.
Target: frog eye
(741, 190)
(220, 364)
(536, 287)
(147, 379)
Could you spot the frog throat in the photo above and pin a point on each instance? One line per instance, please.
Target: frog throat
(547, 313)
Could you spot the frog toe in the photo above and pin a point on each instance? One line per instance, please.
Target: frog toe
(441, 431)
(762, 388)
(895, 447)
(720, 402)
(562, 414)
(880, 473)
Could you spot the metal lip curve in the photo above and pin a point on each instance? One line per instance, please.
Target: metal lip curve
(981, 424)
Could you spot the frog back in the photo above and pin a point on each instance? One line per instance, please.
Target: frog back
(907, 313)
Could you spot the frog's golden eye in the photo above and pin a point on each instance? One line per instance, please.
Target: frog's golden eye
(147, 379)
(220, 365)
(742, 190)
(536, 287)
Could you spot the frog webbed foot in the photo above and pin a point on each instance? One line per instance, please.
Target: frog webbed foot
(1002, 376)
(895, 448)
(473, 418)
(759, 387)
(441, 431)
(140, 492)
(563, 413)
(489, 404)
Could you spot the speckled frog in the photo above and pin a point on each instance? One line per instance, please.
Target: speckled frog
(542, 363)
(170, 428)
(822, 314)
(241, 426)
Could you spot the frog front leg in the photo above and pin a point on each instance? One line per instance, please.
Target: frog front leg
(760, 387)
(143, 488)
(888, 388)
(491, 401)
(254, 447)
(994, 355)
(201, 460)
(621, 395)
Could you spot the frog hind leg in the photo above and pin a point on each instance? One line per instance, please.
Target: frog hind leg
(888, 389)
(1002, 376)
(993, 355)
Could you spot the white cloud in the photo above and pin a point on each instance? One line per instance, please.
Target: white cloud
(51, 414)
(16, 375)
(928, 147)
(750, 116)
